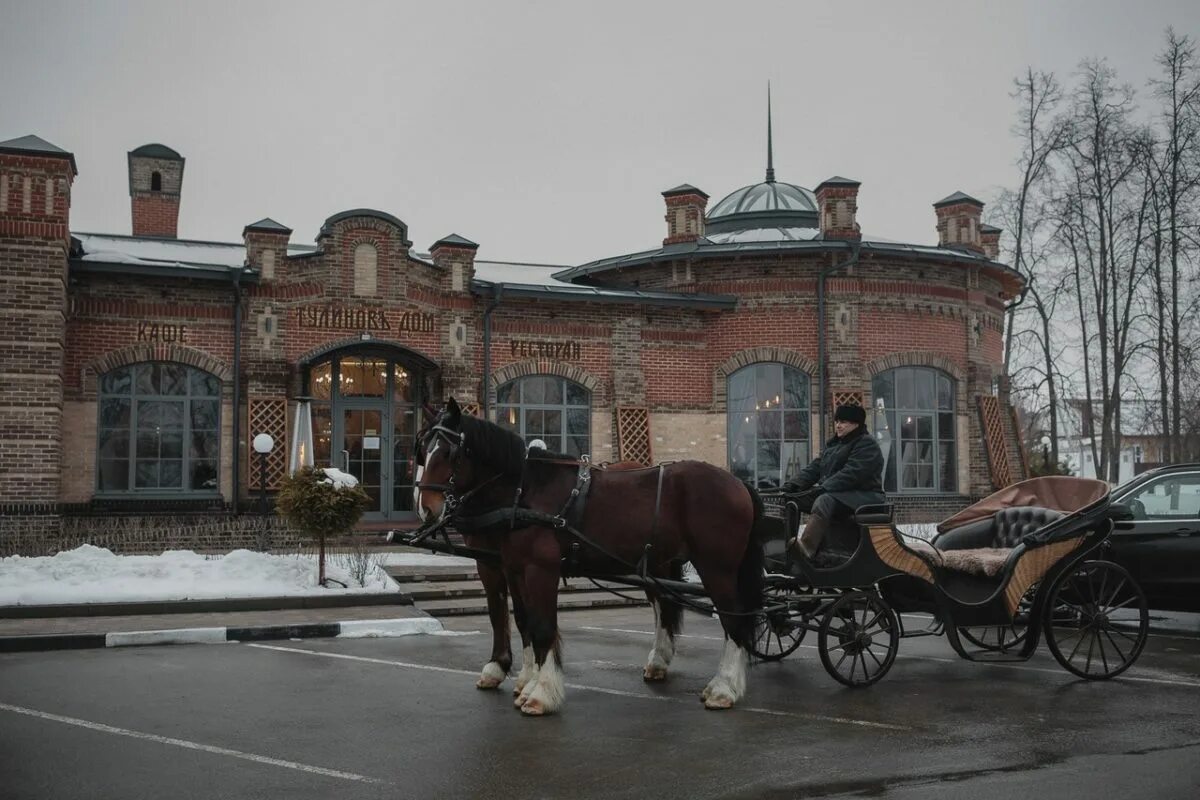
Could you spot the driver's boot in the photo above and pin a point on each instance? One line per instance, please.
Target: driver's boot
(809, 540)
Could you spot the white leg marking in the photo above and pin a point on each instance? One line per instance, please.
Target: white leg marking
(729, 684)
(661, 653)
(528, 670)
(534, 675)
(203, 748)
(547, 697)
(491, 676)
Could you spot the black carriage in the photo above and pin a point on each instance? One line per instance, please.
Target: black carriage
(1024, 563)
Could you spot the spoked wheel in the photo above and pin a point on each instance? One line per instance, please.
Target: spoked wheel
(1080, 629)
(858, 639)
(776, 635)
(1001, 638)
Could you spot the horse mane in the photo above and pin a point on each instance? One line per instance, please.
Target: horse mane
(497, 447)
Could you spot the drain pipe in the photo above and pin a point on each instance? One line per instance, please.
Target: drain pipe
(237, 387)
(497, 293)
(850, 262)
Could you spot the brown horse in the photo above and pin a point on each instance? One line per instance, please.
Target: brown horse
(497, 587)
(657, 516)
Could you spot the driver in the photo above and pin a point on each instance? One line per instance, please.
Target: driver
(847, 474)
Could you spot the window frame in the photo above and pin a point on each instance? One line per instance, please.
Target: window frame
(805, 412)
(521, 406)
(186, 459)
(894, 466)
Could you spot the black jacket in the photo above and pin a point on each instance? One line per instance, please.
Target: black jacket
(850, 469)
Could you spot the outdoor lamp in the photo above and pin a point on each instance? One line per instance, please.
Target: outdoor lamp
(263, 444)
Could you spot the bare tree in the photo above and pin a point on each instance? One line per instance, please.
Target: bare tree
(1038, 96)
(1178, 90)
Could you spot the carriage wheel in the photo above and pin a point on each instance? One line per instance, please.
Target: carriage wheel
(858, 639)
(776, 635)
(1079, 620)
(1001, 638)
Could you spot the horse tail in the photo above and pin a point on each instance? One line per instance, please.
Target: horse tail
(750, 575)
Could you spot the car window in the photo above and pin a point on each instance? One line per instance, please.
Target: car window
(1171, 497)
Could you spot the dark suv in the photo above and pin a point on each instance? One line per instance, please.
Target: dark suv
(1160, 545)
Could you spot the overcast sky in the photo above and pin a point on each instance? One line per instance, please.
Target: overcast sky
(544, 131)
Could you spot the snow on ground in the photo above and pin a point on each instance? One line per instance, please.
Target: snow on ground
(90, 574)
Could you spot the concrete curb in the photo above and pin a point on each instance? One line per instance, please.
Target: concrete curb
(354, 629)
(219, 604)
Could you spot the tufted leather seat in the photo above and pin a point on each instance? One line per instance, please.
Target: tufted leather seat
(1013, 523)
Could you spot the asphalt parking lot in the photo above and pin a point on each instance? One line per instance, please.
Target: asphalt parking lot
(401, 718)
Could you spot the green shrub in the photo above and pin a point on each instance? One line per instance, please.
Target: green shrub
(313, 502)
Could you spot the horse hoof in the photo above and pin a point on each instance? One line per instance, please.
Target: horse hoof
(521, 700)
(533, 708)
(718, 701)
(488, 682)
(654, 674)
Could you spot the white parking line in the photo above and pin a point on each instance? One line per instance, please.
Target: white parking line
(599, 689)
(1125, 676)
(204, 748)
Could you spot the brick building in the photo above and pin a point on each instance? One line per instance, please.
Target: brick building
(138, 368)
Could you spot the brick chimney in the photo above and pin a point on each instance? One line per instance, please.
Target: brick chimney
(685, 214)
(155, 181)
(837, 205)
(266, 246)
(989, 240)
(35, 238)
(456, 255)
(958, 221)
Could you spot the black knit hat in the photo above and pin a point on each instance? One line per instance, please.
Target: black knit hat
(851, 414)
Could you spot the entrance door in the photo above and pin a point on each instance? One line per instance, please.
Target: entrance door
(364, 422)
(363, 446)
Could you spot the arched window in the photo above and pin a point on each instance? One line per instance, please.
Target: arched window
(365, 264)
(768, 420)
(159, 430)
(914, 423)
(156, 181)
(550, 408)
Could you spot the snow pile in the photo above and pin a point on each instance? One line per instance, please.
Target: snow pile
(339, 479)
(90, 574)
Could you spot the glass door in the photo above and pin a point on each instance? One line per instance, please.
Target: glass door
(362, 437)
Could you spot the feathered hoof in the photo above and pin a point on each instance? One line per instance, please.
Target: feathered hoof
(718, 702)
(654, 674)
(487, 682)
(533, 708)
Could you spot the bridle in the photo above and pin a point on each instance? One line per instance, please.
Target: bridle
(457, 441)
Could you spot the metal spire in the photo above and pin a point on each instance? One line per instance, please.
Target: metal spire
(770, 146)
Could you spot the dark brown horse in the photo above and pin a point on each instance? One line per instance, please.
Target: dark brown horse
(691, 511)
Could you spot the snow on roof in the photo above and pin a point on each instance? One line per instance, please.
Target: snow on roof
(521, 274)
(137, 250)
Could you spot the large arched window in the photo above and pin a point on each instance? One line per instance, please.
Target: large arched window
(550, 408)
(769, 440)
(159, 430)
(916, 429)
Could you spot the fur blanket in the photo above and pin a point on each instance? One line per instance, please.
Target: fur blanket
(976, 561)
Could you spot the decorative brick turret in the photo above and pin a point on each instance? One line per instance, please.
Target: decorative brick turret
(266, 246)
(958, 221)
(685, 214)
(837, 204)
(35, 206)
(155, 182)
(989, 240)
(456, 255)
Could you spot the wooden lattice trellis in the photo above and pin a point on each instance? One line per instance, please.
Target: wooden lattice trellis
(1016, 432)
(267, 415)
(992, 423)
(633, 435)
(470, 409)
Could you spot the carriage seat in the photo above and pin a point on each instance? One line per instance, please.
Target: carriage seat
(983, 547)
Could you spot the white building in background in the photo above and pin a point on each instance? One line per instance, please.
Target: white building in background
(1141, 440)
